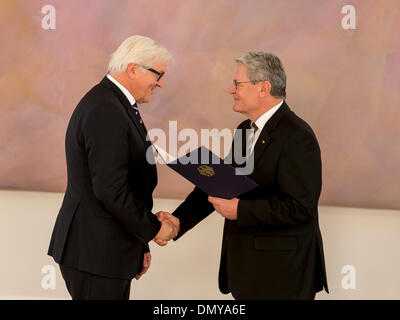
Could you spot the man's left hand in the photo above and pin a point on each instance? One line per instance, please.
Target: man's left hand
(146, 265)
(226, 208)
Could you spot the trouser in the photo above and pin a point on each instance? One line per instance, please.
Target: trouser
(310, 296)
(82, 285)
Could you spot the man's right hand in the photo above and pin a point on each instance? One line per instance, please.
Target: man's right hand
(169, 228)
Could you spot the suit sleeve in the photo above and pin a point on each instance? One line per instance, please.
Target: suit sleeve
(193, 210)
(107, 147)
(299, 187)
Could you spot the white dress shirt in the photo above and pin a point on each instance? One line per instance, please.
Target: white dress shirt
(124, 90)
(261, 121)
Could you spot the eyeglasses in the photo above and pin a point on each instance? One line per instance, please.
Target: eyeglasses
(160, 74)
(239, 82)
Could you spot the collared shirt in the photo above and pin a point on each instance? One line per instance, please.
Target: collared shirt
(124, 90)
(261, 121)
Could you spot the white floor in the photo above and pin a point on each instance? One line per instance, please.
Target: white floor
(365, 240)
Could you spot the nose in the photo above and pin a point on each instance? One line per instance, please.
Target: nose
(232, 89)
(160, 83)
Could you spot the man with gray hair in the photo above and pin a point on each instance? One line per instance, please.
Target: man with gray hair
(100, 238)
(272, 245)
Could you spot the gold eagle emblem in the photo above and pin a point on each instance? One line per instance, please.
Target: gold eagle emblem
(206, 170)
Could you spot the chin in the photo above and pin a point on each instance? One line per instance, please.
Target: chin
(147, 99)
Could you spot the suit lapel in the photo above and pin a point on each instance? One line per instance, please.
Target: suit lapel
(140, 126)
(264, 139)
(262, 142)
(128, 108)
(130, 111)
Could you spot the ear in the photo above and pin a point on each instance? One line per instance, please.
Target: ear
(131, 70)
(265, 88)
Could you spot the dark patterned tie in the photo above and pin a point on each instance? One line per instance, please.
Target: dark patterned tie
(142, 126)
(135, 107)
(250, 138)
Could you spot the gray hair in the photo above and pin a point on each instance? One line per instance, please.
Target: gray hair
(137, 49)
(264, 66)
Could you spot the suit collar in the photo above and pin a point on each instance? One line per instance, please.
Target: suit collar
(263, 119)
(124, 90)
(276, 117)
(126, 104)
(121, 96)
(130, 111)
(265, 138)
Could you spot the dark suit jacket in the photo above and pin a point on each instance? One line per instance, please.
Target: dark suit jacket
(274, 249)
(105, 221)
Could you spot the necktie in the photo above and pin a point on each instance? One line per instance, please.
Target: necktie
(144, 131)
(142, 127)
(250, 138)
(135, 107)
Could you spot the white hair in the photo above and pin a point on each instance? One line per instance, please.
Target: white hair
(137, 49)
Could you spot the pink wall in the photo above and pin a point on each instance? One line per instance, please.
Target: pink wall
(344, 83)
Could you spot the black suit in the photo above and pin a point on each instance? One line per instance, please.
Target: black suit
(105, 221)
(274, 249)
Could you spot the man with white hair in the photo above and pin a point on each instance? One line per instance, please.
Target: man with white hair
(100, 238)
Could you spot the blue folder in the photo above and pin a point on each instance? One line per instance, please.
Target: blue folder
(209, 173)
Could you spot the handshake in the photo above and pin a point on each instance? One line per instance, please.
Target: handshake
(169, 228)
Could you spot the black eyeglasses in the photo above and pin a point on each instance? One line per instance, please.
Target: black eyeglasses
(239, 82)
(160, 74)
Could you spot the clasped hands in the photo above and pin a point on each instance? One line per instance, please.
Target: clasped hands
(170, 224)
(169, 228)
